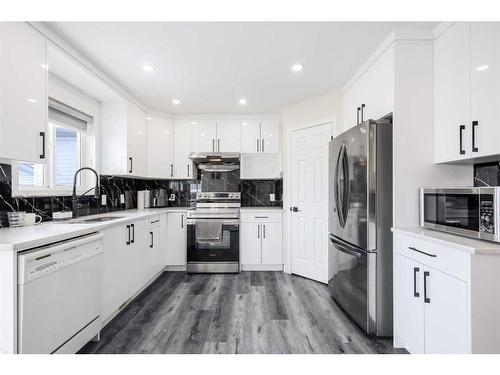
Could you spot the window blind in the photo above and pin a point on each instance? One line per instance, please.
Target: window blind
(64, 114)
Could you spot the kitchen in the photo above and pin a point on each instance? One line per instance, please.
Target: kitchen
(315, 205)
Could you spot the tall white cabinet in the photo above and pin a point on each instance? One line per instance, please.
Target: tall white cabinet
(23, 94)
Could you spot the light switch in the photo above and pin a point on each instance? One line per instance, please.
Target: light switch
(122, 198)
(103, 199)
(272, 198)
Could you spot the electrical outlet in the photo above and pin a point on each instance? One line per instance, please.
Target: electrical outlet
(122, 198)
(172, 197)
(103, 199)
(272, 198)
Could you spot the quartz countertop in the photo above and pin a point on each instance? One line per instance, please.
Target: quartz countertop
(466, 244)
(19, 239)
(273, 208)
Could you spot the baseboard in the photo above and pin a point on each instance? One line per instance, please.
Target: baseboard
(262, 267)
(175, 268)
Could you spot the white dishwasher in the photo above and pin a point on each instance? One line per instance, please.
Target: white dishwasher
(59, 295)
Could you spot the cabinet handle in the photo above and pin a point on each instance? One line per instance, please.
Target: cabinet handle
(262, 141)
(42, 155)
(133, 233)
(264, 230)
(422, 252)
(213, 144)
(258, 145)
(128, 234)
(426, 299)
(415, 271)
(461, 129)
(357, 115)
(152, 241)
(131, 165)
(188, 169)
(258, 231)
(171, 170)
(474, 124)
(362, 112)
(182, 221)
(218, 144)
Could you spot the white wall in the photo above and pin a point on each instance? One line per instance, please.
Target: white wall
(315, 111)
(413, 137)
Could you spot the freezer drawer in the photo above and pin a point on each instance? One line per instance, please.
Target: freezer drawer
(352, 283)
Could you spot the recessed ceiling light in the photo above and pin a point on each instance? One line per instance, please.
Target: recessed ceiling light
(242, 101)
(149, 118)
(297, 67)
(31, 100)
(148, 68)
(193, 123)
(44, 66)
(176, 101)
(482, 67)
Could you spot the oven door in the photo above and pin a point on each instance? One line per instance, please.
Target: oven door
(222, 250)
(451, 210)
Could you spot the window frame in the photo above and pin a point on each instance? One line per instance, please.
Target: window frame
(49, 187)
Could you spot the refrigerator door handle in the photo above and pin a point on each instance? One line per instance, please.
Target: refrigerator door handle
(347, 190)
(336, 192)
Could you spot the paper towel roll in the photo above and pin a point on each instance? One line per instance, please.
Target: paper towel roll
(140, 200)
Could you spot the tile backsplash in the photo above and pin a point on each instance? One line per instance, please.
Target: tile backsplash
(253, 193)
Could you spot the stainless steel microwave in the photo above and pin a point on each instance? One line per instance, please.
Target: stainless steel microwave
(471, 211)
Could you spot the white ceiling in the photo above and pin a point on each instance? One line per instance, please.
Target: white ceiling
(210, 65)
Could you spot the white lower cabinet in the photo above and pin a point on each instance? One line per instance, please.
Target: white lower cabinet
(177, 239)
(155, 253)
(445, 299)
(115, 269)
(261, 240)
(138, 258)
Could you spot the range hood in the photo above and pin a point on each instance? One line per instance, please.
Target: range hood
(215, 158)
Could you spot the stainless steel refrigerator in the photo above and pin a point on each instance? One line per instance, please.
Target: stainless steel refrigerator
(360, 220)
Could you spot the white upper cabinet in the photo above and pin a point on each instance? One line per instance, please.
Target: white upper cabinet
(137, 141)
(485, 88)
(183, 166)
(204, 135)
(378, 87)
(260, 136)
(270, 136)
(23, 94)
(250, 136)
(452, 131)
(228, 136)
(351, 105)
(123, 139)
(371, 96)
(160, 147)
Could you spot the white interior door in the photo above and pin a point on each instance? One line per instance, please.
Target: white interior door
(309, 192)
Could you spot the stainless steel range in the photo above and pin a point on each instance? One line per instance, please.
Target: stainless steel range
(213, 233)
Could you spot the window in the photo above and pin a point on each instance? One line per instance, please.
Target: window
(69, 142)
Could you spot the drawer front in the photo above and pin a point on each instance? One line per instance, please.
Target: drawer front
(443, 258)
(154, 221)
(260, 216)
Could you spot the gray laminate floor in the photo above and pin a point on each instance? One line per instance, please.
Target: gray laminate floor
(251, 312)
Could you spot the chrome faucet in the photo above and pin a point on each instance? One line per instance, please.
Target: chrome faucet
(75, 198)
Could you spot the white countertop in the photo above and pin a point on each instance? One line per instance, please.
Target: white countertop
(261, 209)
(23, 238)
(469, 245)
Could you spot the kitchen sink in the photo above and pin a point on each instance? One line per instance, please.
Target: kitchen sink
(91, 220)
